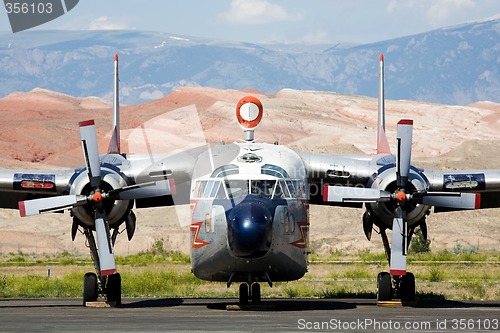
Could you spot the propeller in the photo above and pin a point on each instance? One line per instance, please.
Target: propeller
(454, 200)
(90, 148)
(403, 157)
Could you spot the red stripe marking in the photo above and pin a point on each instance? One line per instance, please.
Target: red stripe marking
(22, 209)
(304, 229)
(478, 201)
(86, 123)
(325, 193)
(405, 122)
(195, 229)
(399, 272)
(192, 205)
(107, 272)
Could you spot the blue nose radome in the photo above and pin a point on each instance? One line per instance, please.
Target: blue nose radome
(250, 230)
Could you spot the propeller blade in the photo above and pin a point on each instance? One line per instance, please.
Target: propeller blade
(452, 200)
(145, 190)
(403, 157)
(354, 194)
(399, 242)
(88, 137)
(51, 204)
(104, 246)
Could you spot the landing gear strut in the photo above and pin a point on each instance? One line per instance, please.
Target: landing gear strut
(97, 284)
(388, 287)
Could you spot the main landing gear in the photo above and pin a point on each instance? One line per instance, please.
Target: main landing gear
(92, 288)
(390, 287)
(402, 285)
(94, 284)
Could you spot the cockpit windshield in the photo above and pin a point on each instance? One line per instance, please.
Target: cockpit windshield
(268, 188)
(262, 188)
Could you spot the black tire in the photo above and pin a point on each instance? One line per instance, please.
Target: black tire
(255, 293)
(384, 286)
(90, 290)
(407, 288)
(243, 293)
(114, 289)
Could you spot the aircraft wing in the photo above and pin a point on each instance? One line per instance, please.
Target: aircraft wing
(486, 182)
(340, 170)
(20, 185)
(362, 171)
(143, 178)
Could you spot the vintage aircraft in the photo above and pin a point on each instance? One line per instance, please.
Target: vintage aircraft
(249, 201)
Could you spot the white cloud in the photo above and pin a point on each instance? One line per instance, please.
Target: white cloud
(155, 94)
(254, 12)
(435, 12)
(104, 23)
(444, 9)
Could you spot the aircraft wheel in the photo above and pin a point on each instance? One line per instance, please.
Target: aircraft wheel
(243, 293)
(384, 286)
(114, 289)
(407, 288)
(255, 293)
(90, 290)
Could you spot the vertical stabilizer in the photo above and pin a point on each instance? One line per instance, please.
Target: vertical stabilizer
(114, 144)
(382, 143)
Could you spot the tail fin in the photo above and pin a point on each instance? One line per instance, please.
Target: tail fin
(114, 144)
(382, 143)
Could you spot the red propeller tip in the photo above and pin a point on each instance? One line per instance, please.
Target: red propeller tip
(405, 122)
(86, 123)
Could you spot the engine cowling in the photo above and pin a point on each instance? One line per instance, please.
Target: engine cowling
(116, 210)
(386, 180)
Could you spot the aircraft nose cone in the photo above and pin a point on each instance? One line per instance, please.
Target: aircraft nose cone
(250, 230)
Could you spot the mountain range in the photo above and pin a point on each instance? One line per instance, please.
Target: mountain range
(455, 65)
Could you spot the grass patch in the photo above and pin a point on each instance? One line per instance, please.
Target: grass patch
(162, 273)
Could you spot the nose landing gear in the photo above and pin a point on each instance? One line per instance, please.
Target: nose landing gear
(252, 293)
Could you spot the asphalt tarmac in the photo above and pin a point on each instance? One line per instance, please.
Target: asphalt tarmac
(276, 315)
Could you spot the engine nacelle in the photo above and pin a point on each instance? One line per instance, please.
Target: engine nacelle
(386, 180)
(116, 210)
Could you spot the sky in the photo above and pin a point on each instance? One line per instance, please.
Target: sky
(288, 21)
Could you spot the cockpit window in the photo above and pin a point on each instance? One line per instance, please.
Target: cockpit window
(236, 187)
(263, 188)
(282, 190)
(274, 170)
(267, 188)
(208, 189)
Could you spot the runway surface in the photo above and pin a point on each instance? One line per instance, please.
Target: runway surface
(278, 315)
